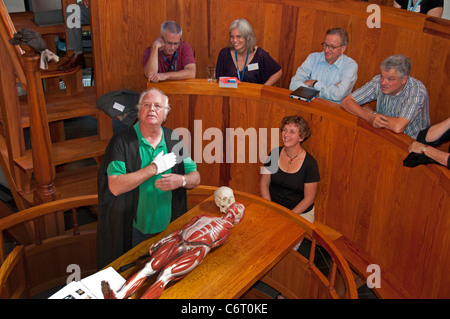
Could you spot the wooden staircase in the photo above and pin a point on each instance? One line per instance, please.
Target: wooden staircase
(47, 171)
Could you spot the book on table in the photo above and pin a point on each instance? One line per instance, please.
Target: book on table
(304, 93)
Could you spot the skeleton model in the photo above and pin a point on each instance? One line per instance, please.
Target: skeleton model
(183, 250)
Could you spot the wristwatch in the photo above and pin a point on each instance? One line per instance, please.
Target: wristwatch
(424, 148)
(184, 181)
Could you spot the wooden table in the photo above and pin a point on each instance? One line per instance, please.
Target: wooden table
(255, 245)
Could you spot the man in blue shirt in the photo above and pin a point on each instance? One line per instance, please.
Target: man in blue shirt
(402, 101)
(331, 72)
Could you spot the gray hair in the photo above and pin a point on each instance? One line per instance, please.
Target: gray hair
(398, 62)
(246, 32)
(165, 97)
(172, 27)
(342, 33)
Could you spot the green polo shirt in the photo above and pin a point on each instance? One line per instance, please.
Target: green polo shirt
(154, 207)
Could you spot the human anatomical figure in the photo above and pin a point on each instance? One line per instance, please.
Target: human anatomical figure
(180, 252)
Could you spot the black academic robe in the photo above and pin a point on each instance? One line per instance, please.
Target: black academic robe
(116, 213)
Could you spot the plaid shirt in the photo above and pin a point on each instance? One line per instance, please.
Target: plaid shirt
(411, 103)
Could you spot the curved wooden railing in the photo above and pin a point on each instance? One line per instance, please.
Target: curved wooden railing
(377, 210)
(48, 255)
(257, 255)
(32, 268)
(298, 277)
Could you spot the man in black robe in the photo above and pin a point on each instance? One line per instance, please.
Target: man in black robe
(138, 195)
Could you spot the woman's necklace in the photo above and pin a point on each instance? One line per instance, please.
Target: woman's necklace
(293, 158)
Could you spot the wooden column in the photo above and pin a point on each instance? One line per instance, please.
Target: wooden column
(44, 168)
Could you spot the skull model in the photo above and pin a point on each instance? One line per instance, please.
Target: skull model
(223, 197)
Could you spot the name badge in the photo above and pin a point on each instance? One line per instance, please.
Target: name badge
(118, 106)
(253, 66)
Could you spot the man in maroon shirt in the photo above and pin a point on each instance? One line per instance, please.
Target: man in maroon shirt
(169, 58)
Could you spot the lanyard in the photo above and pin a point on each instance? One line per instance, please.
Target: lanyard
(174, 66)
(415, 6)
(240, 77)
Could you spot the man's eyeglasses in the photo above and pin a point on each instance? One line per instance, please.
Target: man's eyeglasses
(330, 46)
(158, 107)
(171, 43)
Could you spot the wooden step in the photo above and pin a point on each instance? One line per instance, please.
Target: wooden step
(61, 106)
(67, 151)
(64, 152)
(81, 180)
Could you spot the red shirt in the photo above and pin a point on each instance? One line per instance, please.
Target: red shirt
(184, 56)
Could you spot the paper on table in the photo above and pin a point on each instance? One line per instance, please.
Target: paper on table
(90, 287)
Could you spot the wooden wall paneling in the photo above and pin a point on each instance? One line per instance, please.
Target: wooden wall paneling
(247, 118)
(385, 212)
(411, 230)
(211, 111)
(304, 39)
(288, 43)
(121, 31)
(401, 18)
(289, 30)
(273, 26)
(391, 223)
(362, 185)
(220, 19)
(440, 247)
(424, 245)
(329, 141)
(438, 78)
(179, 112)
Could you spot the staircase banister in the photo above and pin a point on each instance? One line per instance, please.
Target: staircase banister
(7, 31)
(41, 144)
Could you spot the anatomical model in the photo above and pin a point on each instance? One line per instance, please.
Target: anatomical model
(179, 253)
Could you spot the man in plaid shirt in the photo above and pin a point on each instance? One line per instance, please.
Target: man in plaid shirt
(402, 101)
